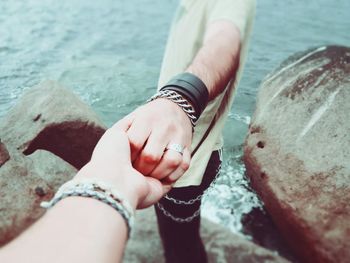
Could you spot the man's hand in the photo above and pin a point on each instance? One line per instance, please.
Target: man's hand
(151, 128)
(111, 162)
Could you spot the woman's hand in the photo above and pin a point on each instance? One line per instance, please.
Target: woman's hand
(111, 162)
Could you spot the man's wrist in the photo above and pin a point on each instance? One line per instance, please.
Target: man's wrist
(179, 101)
(192, 88)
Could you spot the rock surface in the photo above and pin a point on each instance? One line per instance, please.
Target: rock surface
(297, 153)
(4, 154)
(221, 245)
(50, 118)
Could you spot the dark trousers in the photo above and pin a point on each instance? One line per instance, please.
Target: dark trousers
(181, 240)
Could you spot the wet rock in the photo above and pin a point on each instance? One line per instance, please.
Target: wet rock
(221, 245)
(47, 133)
(298, 150)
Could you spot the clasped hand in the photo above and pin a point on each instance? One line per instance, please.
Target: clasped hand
(151, 129)
(133, 155)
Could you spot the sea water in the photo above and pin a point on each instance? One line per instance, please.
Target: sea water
(109, 53)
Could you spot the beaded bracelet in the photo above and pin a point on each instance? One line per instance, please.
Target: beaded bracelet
(97, 190)
(179, 100)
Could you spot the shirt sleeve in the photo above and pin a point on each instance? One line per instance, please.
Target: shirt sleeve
(239, 12)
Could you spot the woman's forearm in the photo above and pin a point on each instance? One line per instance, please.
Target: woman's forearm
(77, 229)
(82, 229)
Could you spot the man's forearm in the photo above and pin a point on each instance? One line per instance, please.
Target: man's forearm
(217, 60)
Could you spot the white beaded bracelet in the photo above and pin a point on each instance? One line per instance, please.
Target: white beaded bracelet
(97, 190)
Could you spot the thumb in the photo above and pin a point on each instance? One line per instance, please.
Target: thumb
(156, 191)
(124, 123)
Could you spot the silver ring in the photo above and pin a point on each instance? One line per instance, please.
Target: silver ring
(176, 147)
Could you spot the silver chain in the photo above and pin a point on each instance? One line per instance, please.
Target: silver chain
(178, 219)
(179, 100)
(189, 202)
(181, 202)
(199, 197)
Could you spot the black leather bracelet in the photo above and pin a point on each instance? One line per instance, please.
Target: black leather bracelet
(192, 88)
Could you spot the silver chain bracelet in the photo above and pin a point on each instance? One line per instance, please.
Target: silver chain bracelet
(98, 190)
(179, 100)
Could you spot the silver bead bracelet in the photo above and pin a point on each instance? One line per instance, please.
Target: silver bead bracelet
(98, 190)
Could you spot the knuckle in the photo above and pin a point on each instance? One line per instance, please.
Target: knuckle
(168, 180)
(150, 158)
(170, 126)
(175, 176)
(156, 175)
(173, 161)
(185, 165)
(136, 144)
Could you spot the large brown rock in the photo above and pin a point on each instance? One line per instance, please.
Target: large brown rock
(297, 153)
(52, 118)
(221, 245)
(48, 122)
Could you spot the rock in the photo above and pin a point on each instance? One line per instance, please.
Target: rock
(19, 179)
(221, 245)
(4, 154)
(49, 132)
(298, 150)
(259, 226)
(55, 120)
(47, 123)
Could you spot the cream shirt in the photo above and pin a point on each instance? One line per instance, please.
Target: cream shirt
(185, 39)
